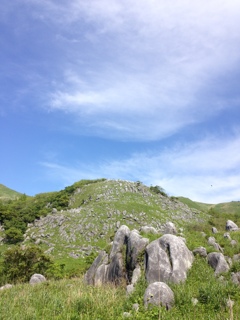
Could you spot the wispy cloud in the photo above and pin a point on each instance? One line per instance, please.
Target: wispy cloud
(151, 61)
(202, 170)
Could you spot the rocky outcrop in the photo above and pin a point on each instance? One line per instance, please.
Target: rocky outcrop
(167, 259)
(159, 294)
(122, 262)
(217, 262)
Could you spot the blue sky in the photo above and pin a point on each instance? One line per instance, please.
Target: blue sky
(121, 89)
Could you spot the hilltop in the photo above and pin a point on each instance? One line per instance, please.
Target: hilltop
(7, 193)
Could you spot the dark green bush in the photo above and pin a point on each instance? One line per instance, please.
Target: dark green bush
(20, 263)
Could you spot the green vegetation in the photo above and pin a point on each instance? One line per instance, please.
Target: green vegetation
(101, 202)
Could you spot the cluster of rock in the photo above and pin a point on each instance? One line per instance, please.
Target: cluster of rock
(164, 260)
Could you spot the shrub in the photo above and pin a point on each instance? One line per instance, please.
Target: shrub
(20, 263)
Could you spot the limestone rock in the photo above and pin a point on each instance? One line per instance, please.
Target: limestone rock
(167, 259)
(170, 228)
(231, 226)
(120, 239)
(37, 278)
(147, 230)
(102, 258)
(159, 294)
(201, 251)
(6, 286)
(218, 262)
(136, 245)
(214, 230)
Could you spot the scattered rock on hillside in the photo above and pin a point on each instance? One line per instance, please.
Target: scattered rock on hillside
(149, 230)
(236, 278)
(37, 278)
(214, 230)
(231, 226)
(6, 286)
(159, 294)
(201, 251)
(218, 262)
(170, 228)
(167, 259)
(212, 242)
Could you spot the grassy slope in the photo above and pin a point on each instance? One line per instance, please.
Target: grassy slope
(232, 207)
(7, 193)
(71, 299)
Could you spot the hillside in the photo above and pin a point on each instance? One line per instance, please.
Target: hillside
(96, 211)
(72, 226)
(232, 207)
(7, 193)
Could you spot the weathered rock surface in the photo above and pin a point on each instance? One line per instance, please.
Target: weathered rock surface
(149, 230)
(170, 228)
(218, 262)
(231, 226)
(159, 294)
(101, 260)
(212, 242)
(236, 278)
(37, 278)
(167, 259)
(201, 251)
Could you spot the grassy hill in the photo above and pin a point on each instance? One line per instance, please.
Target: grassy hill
(72, 225)
(6, 193)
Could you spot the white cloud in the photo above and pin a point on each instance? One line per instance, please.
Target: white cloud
(151, 61)
(206, 171)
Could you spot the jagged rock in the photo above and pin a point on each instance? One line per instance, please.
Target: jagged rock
(218, 262)
(120, 239)
(214, 230)
(116, 270)
(231, 226)
(233, 243)
(170, 228)
(37, 278)
(6, 286)
(100, 276)
(159, 294)
(147, 230)
(54, 210)
(102, 258)
(136, 245)
(167, 259)
(201, 251)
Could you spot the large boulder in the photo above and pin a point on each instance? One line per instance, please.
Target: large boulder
(167, 259)
(218, 262)
(159, 294)
(231, 226)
